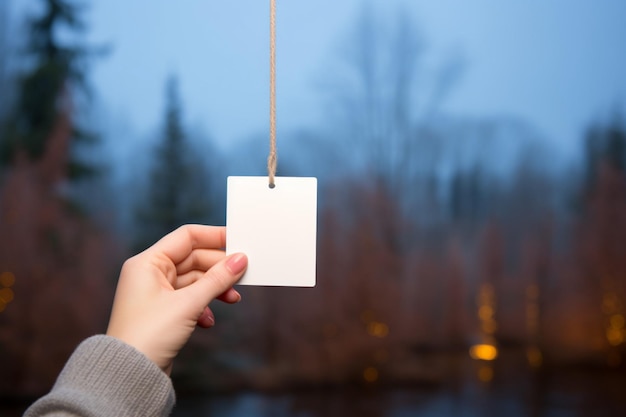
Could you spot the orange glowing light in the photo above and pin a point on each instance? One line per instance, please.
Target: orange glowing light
(377, 329)
(485, 312)
(370, 374)
(483, 352)
(615, 336)
(7, 279)
(534, 356)
(617, 321)
(6, 295)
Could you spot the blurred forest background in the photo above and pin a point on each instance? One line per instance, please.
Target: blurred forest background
(446, 244)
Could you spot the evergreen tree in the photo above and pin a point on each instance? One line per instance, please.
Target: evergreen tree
(60, 264)
(4, 58)
(176, 192)
(599, 245)
(605, 146)
(45, 91)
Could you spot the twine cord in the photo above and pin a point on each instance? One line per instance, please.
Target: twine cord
(271, 159)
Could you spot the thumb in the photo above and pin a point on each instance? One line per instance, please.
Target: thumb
(222, 276)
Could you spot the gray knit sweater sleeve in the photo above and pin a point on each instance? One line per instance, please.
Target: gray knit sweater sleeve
(106, 377)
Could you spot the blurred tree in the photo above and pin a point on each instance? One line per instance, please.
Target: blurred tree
(381, 96)
(56, 265)
(57, 71)
(602, 227)
(468, 198)
(382, 104)
(376, 96)
(60, 267)
(605, 146)
(4, 59)
(178, 183)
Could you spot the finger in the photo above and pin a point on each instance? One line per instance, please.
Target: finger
(231, 296)
(190, 277)
(206, 319)
(215, 282)
(187, 279)
(200, 259)
(178, 244)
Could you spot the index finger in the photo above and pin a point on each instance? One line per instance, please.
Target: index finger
(178, 244)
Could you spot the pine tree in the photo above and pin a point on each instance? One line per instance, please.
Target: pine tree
(176, 192)
(605, 146)
(46, 90)
(602, 230)
(59, 263)
(5, 56)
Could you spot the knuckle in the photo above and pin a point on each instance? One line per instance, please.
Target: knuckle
(220, 277)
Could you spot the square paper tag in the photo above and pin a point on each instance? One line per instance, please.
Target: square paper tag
(276, 228)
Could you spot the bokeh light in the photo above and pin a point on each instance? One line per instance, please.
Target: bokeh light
(534, 356)
(377, 329)
(485, 352)
(7, 279)
(370, 374)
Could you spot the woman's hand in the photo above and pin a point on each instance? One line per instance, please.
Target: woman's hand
(164, 292)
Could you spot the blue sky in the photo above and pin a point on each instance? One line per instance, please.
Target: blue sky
(558, 64)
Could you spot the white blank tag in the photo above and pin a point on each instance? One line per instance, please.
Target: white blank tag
(275, 227)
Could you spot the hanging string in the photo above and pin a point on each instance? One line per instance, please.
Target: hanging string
(271, 159)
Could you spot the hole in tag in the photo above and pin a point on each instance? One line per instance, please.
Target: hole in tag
(272, 185)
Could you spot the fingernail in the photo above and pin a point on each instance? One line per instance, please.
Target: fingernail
(237, 263)
(207, 317)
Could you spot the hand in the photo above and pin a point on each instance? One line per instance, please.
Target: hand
(164, 292)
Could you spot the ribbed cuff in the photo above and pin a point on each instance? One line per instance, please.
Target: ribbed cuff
(106, 377)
